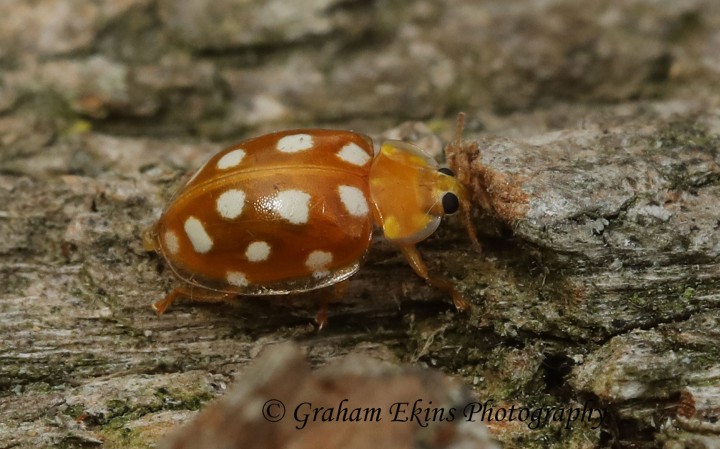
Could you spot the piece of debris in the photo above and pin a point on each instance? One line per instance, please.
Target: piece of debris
(357, 403)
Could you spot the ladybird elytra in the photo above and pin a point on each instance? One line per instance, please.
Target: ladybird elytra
(293, 211)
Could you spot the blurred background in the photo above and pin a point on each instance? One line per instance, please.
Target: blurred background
(221, 69)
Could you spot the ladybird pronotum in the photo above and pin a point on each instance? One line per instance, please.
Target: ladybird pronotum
(293, 211)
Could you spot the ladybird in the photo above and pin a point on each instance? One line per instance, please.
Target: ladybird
(294, 211)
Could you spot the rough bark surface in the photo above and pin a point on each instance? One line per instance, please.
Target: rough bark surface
(591, 153)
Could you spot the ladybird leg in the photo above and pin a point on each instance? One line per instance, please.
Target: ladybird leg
(412, 255)
(321, 317)
(467, 219)
(192, 293)
(338, 291)
(162, 305)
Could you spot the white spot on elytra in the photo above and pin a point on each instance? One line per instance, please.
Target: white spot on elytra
(257, 251)
(171, 242)
(294, 143)
(353, 154)
(318, 261)
(237, 279)
(199, 238)
(231, 159)
(292, 205)
(230, 203)
(354, 200)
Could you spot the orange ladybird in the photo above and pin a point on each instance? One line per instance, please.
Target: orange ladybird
(293, 211)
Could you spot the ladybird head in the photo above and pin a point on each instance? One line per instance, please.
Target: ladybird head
(410, 193)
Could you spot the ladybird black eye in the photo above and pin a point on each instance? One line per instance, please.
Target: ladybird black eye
(450, 203)
(446, 171)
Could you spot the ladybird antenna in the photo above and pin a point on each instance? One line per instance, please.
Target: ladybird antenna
(454, 151)
(459, 127)
(452, 148)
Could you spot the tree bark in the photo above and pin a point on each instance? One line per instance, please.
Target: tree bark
(591, 156)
